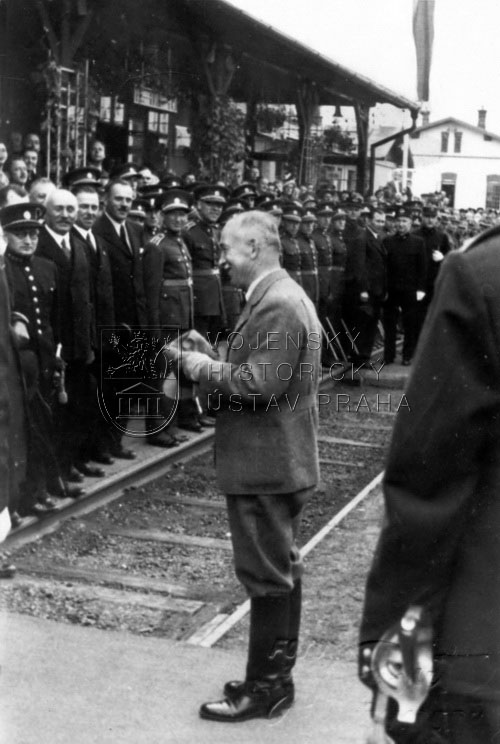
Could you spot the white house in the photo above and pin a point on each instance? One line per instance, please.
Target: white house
(459, 158)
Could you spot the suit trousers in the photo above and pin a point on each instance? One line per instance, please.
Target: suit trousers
(264, 530)
(407, 301)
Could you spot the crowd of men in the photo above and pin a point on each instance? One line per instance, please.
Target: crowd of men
(127, 249)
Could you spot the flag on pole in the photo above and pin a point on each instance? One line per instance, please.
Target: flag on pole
(423, 33)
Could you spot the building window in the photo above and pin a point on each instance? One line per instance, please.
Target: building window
(493, 192)
(445, 136)
(458, 141)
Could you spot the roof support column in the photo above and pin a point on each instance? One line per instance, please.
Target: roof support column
(362, 111)
(307, 104)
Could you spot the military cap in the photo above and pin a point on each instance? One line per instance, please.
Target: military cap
(429, 211)
(415, 204)
(403, 212)
(351, 204)
(310, 203)
(339, 214)
(151, 194)
(87, 176)
(367, 209)
(126, 170)
(243, 190)
(308, 216)
(234, 207)
(139, 208)
(292, 211)
(172, 182)
(174, 199)
(264, 202)
(211, 193)
(325, 209)
(21, 216)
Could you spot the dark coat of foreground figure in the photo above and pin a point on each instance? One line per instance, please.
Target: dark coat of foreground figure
(440, 544)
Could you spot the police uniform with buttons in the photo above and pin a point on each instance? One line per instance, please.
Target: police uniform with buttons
(291, 257)
(33, 288)
(202, 239)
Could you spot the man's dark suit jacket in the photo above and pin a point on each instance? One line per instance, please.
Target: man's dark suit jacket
(74, 295)
(101, 285)
(126, 270)
(367, 260)
(440, 544)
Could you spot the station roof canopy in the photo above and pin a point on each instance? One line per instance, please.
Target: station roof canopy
(272, 66)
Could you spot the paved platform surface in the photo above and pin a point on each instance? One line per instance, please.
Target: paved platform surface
(62, 684)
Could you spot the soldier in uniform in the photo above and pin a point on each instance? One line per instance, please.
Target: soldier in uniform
(324, 251)
(233, 296)
(168, 283)
(339, 254)
(406, 284)
(290, 248)
(309, 257)
(202, 239)
(246, 194)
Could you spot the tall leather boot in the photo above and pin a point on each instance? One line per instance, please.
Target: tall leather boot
(263, 693)
(234, 687)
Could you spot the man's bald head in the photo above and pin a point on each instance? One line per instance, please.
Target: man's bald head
(62, 209)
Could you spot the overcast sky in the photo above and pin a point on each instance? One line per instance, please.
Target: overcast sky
(375, 38)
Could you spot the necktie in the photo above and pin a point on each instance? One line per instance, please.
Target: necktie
(123, 236)
(65, 247)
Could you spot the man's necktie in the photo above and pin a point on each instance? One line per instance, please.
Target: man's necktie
(65, 247)
(123, 236)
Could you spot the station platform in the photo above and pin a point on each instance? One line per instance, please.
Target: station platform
(62, 683)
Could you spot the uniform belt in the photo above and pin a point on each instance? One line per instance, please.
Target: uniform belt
(310, 272)
(338, 268)
(206, 272)
(178, 282)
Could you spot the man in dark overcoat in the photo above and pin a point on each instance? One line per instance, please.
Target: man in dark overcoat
(406, 285)
(439, 547)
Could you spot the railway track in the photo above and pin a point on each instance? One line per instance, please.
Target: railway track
(148, 550)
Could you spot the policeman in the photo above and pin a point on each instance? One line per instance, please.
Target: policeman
(33, 285)
(168, 283)
(202, 239)
(291, 257)
(308, 257)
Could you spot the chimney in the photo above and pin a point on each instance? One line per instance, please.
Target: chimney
(426, 116)
(481, 118)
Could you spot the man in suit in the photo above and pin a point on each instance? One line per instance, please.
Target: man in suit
(439, 546)
(84, 183)
(368, 285)
(123, 242)
(56, 244)
(406, 285)
(266, 454)
(437, 245)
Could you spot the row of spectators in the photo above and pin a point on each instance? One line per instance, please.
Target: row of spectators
(128, 250)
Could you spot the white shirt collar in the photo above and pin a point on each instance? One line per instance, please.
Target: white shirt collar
(58, 237)
(116, 225)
